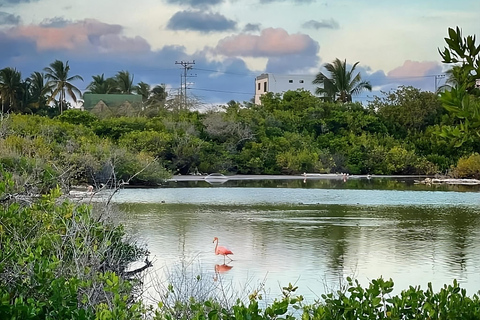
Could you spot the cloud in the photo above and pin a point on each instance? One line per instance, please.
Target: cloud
(251, 27)
(216, 81)
(200, 21)
(295, 64)
(323, 24)
(8, 19)
(14, 48)
(56, 22)
(196, 3)
(416, 69)
(87, 35)
(286, 53)
(271, 42)
(422, 75)
(16, 1)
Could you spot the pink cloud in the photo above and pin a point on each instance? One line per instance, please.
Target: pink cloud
(416, 68)
(80, 36)
(271, 42)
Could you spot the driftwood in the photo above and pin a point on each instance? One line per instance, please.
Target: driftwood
(148, 264)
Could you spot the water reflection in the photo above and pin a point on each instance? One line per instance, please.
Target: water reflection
(414, 237)
(353, 182)
(222, 268)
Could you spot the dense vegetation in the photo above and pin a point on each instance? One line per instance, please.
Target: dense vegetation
(60, 260)
(400, 133)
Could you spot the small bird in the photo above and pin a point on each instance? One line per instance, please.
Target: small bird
(222, 250)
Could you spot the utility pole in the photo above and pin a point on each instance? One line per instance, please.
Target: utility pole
(187, 65)
(438, 77)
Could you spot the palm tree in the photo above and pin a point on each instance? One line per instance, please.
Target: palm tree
(38, 90)
(342, 84)
(11, 88)
(459, 77)
(100, 85)
(124, 82)
(60, 82)
(158, 95)
(143, 89)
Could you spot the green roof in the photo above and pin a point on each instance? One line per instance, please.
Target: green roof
(90, 100)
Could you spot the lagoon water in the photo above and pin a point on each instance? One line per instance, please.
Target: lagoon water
(311, 233)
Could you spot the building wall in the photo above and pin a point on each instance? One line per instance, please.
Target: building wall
(280, 83)
(261, 86)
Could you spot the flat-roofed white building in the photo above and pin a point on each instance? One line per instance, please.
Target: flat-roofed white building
(280, 83)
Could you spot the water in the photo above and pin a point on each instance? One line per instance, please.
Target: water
(312, 234)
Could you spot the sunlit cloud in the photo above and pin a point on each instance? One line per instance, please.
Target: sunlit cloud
(82, 35)
(271, 42)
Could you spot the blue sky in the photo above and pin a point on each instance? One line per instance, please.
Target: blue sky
(232, 41)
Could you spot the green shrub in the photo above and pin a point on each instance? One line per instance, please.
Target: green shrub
(468, 167)
(58, 261)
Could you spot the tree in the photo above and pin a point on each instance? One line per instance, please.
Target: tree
(464, 54)
(60, 82)
(124, 82)
(38, 90)
(100, 85)
(407, 108)
(462, 98)
(158, 95)
(341, 84)
(11, 88)
(142, 89)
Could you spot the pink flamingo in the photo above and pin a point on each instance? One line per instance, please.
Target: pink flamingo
(222, 250)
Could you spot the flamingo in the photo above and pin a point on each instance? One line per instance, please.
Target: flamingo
(222, 250)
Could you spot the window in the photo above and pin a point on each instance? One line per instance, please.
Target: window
(301, 81)
(265, 86)
(290, 81)
(259, 86)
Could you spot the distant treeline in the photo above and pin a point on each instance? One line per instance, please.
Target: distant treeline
(400, 133)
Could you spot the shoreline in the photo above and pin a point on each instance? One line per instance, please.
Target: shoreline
(309, 176)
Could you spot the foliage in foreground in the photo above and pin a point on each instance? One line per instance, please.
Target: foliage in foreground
(57, 261)
(353, 302)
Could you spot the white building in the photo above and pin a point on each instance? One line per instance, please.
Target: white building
(280, 83)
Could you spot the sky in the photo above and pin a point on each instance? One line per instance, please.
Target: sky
(233, 41)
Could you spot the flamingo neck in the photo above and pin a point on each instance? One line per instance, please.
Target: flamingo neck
(216, 245)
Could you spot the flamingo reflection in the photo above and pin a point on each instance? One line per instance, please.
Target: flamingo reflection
(221, 268)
